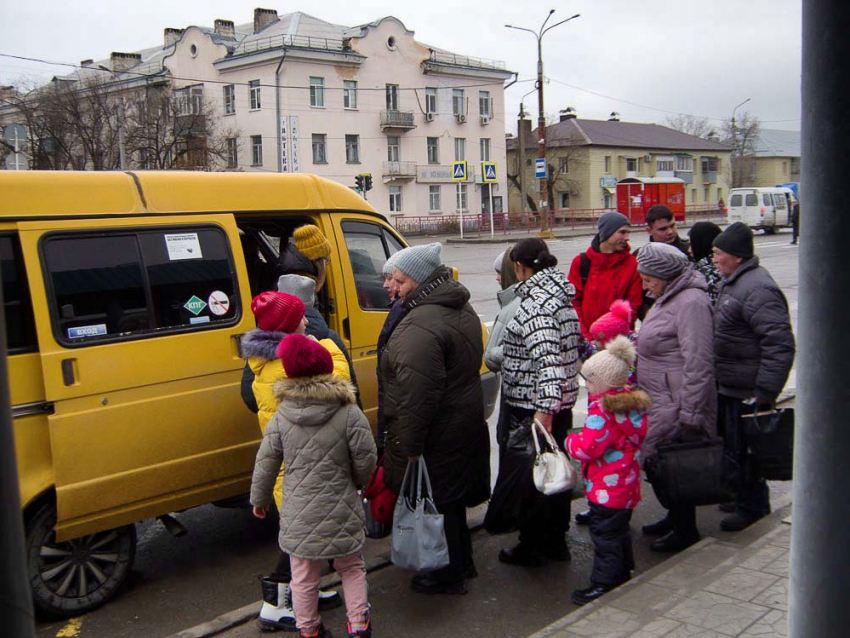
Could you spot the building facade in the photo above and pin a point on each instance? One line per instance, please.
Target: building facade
(586, 159)
(294, 93)
(775, 159)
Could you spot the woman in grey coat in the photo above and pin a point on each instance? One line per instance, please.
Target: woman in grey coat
(676, 369)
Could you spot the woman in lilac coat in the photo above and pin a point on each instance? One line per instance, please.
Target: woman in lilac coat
(676, 369)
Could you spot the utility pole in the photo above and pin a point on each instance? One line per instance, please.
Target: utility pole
(523, 181)
(739, 181)
(541, 120)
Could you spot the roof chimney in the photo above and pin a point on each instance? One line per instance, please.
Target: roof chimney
(263, 18)
(225, 28)
(171, 35)
(88, 62)
(712, 136)
(614, 117)
(568, 113)
(119, 62)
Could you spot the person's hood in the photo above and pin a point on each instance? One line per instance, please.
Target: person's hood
(601, 261)
(293, 262)
(550, 282)
(261, 344)
(689, 278)
(628, 407)
(311, 401)
(439, 289)
(316, 324)
(506, 296)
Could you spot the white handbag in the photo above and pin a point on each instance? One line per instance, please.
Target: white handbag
(553, 473)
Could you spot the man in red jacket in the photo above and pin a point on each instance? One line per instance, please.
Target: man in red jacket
(606, 272)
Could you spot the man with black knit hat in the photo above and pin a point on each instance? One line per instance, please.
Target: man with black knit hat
(753, 354)
(606, 272)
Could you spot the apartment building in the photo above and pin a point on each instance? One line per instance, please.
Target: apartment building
(587, 158)
(775, 159)
(294, 93)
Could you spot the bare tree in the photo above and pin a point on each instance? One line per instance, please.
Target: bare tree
(743, 137)
(690, 124)
(562, 161)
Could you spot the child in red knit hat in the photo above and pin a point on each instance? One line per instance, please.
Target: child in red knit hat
(325, 442)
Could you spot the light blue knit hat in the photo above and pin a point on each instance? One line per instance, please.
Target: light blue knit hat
(418, 262)
(388, 266)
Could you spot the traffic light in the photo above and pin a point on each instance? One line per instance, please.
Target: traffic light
(358, 180)
(367, 185)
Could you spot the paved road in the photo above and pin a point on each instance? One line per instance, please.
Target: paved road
(180, 582)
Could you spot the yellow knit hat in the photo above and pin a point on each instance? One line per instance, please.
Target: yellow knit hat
(310, 242)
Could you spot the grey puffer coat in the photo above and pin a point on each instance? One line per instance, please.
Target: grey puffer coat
(493, 351)
(324, 440)
(753, 342)
(675, 363)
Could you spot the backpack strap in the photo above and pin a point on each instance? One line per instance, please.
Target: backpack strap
(584, 268)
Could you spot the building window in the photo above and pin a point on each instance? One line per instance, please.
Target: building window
(256, 150)
(708, 165)
(565, 200)
(317, 92)
(631, 164)
(190, 101)
(395, 199)
(349, 94)
(320, 154)
(229, 99)
(433, 150)
(352, 149)
(795, 165)
(462, 204)
(607, 163)
(434, 203)
(392, 97)
(430, 100)
(484, 103)
(664, 165)
(232, 152)
(693, 196)
(563, 165)
(705, 193)
(485, 149)
(684, 163)
(460, 149)
(254, 93)
(393, 149)
(457, 102)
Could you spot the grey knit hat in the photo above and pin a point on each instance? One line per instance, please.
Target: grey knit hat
(610, 222)
(388, 265)
(418, 262)
(661, 260)
(302, 287)
(497, 265)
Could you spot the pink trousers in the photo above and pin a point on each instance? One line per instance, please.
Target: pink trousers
(306, 575)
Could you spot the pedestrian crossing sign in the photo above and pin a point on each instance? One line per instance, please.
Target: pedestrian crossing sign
(488, 170)
(459, 171)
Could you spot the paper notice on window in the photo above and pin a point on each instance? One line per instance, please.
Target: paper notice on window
(185, 246)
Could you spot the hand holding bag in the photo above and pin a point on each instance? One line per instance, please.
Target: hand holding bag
(552, 471)
(419, 539)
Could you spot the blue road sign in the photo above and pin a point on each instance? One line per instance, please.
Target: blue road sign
(459, 171)
(488, 170)
(540, 167)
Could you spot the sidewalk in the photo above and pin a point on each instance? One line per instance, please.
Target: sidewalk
(711, 590)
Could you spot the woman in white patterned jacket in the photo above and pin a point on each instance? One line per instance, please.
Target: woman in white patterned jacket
(539, 369)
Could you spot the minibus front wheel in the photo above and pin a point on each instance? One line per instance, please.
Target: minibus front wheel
(74, 577)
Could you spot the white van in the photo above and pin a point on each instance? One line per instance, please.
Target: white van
(761, 208)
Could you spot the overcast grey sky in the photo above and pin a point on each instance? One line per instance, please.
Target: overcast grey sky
(645, 59)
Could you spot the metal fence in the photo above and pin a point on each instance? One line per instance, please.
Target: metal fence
(525, 222)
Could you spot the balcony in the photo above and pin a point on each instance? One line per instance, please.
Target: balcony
(402, 120)
(709, 177)
(398, 170)
(685, 176)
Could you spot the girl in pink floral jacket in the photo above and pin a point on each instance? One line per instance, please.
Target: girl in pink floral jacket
(608, 447)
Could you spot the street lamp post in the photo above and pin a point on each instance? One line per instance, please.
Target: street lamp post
(541, 118)
(735, 145)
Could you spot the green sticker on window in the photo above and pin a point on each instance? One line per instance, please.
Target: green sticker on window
(195, 305)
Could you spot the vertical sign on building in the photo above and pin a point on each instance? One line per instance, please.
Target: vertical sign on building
(293, 131)
(284, 156)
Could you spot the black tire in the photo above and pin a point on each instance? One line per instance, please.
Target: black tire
(770, 231)
(74, 577)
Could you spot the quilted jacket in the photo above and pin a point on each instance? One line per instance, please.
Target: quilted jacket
(494, 351)
(328, 448)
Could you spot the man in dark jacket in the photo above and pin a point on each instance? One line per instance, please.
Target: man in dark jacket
(433, 403)
(753, 354)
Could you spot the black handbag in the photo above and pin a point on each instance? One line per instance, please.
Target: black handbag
(692, 473)
(770, 441)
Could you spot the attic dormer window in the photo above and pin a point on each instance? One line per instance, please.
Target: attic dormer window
(391, 43)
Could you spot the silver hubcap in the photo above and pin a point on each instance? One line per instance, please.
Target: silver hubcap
(77, 567)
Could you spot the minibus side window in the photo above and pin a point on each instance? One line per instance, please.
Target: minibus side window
(130, 285)
(736, 200)
(767, 199)
(17, 307)
(368, 249)
(752, 199)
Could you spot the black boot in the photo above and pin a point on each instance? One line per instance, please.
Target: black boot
(659, 528)
(583, 518)
(589, 594)
(673, 542)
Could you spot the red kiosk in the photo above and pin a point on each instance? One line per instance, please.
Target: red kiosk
(636, 195)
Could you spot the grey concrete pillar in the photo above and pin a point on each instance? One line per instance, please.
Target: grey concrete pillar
(819, 604)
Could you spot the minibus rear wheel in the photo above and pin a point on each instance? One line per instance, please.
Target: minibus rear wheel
(74, 577)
